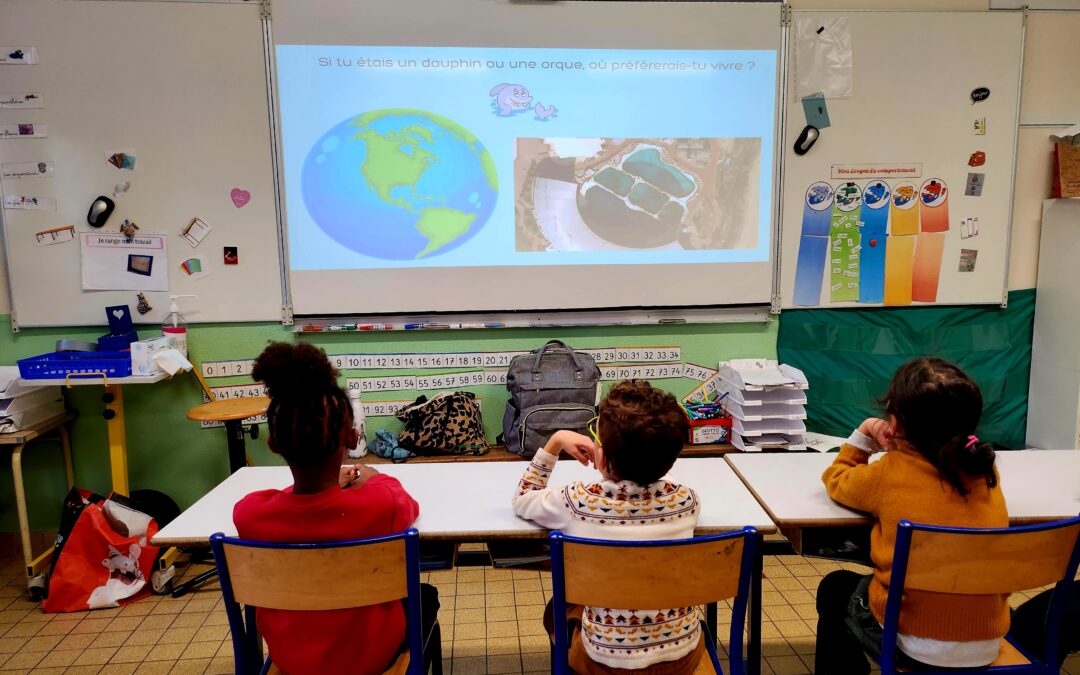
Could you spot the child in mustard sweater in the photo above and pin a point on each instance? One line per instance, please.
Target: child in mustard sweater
(936, 472)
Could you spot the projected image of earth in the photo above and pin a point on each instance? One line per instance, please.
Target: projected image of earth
(590, 194)
(399, 184)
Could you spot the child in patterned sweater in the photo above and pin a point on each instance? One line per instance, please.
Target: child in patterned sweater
(638, 435)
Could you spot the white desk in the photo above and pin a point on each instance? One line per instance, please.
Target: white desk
(479, 508)
(1039, 485)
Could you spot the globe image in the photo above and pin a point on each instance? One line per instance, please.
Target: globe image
(399, 184)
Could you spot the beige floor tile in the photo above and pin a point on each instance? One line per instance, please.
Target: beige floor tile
(502, 629)
(225, 649)
(525, 574)
(470, 576)
(91, 625)
(157, 620)
(76, 641)
(42, 643)
(521, 585)
(95, 656)
(499, 599)
(530, 644)
(130, 654)
(10, 645)
(502, 586)
(448, 603)
(799, 597)
(111, 639)
(769, 630)
(780, 613)
(202, 604)
(124, 623)
(165, 652)
(442, 576)
(794, 629)
(24, 630)
(118, 669)
(501, 645)
(190, 620)
(787, 665)
(507, 663)
(786, 584)
(24, 660)
(56, 627)
(216, 618)
(53, 670)
(200, 650)
(60, 658)
(468, 616)
(179, 635)
(501, 614)
(446, 617)
(156, 667)
(469, 602)
(803, 570)
(776, 648)
(468, 648)
(806, 612)
(145, 637)
(221, 666)
(470, 631)
(536, 662)
(470, 665)
(492, 574)
(531, 627)
(803, 645)
(210, 633)
(772, 599)
(190, 666)
(473, 588)
(530, 598)
(530, 612)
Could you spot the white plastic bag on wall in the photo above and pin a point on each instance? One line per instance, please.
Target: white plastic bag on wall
(823, 57)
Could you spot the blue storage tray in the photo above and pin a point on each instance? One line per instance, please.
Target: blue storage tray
(59, 365)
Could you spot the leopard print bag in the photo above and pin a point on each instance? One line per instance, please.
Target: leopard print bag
(448, 424)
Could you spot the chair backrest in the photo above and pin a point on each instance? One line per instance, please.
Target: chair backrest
(317, 576)
(966, 561)
(653, 575)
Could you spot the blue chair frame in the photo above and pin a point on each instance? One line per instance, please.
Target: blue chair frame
(904, 533)
(749, 538)
(247, 643)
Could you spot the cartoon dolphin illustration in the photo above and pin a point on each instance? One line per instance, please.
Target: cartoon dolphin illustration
(511, 98)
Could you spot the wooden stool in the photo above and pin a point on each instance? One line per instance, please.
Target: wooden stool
(232, 412)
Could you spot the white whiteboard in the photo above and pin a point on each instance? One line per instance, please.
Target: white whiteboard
(181, 84)
(913, 73)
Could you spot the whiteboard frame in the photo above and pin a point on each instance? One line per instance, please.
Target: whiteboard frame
(645, 315)
(1012, 168)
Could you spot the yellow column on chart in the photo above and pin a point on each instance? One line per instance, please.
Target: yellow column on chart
(899, 259)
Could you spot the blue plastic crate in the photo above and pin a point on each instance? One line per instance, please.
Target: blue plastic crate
(59, 365)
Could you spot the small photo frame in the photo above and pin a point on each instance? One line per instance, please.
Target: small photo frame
(232, 256)
(140, 264)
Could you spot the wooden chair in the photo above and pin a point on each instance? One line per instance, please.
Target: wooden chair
(674, 573)
(985, 561)
(337, 575)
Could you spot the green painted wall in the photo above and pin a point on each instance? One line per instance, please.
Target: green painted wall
(167, 452)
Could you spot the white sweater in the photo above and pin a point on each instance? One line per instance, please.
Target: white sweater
(622, 510)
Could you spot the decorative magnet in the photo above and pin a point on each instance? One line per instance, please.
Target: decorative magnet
(100, 210)
(128, 228)
(143, 307)
(979, 94)
(977, 158)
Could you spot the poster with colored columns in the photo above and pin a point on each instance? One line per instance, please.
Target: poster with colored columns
(813, 244)
(874, 224)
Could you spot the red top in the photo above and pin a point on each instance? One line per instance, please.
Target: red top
(361, 640)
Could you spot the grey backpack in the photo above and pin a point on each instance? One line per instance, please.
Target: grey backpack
(551, 388)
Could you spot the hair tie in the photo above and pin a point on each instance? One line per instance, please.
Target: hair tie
(972, 440)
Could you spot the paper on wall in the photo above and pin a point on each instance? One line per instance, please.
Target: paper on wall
(24, 130)
(823, 57)
(111, 263)
(29, 99)
(14, 55)
(28, 169)
(29, 203)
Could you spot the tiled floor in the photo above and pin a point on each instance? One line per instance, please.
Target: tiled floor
(491, 623)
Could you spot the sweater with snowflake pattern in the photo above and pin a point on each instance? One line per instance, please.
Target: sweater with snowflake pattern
(627, 511)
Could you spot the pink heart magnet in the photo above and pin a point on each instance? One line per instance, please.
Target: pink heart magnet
(240, 197)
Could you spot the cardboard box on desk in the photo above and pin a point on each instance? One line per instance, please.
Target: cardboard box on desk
(142, 354)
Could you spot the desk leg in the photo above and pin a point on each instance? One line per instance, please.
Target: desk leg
(753, 646)
(234, 429)
(114, 414)
(20, 505)
(65, 445)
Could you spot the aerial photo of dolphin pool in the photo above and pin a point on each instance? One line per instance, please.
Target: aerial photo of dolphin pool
(595, 194)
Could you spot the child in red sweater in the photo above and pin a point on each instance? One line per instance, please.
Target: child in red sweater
(311, 426)
(935, 472)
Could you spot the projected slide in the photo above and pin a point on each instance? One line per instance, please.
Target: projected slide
(401, 157)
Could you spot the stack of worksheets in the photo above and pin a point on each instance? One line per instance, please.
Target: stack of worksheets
(767, 404)
(22, 406)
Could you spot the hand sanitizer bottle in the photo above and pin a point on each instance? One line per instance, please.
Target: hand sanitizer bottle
(176, 325)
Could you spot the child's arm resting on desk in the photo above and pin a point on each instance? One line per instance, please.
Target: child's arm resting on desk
(851, 479)
(533, 500)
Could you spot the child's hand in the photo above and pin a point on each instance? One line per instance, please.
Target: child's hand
(878, 430)
(356, 475)
(576, 445)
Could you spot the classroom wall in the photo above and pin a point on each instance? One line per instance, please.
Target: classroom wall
(169, 453)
